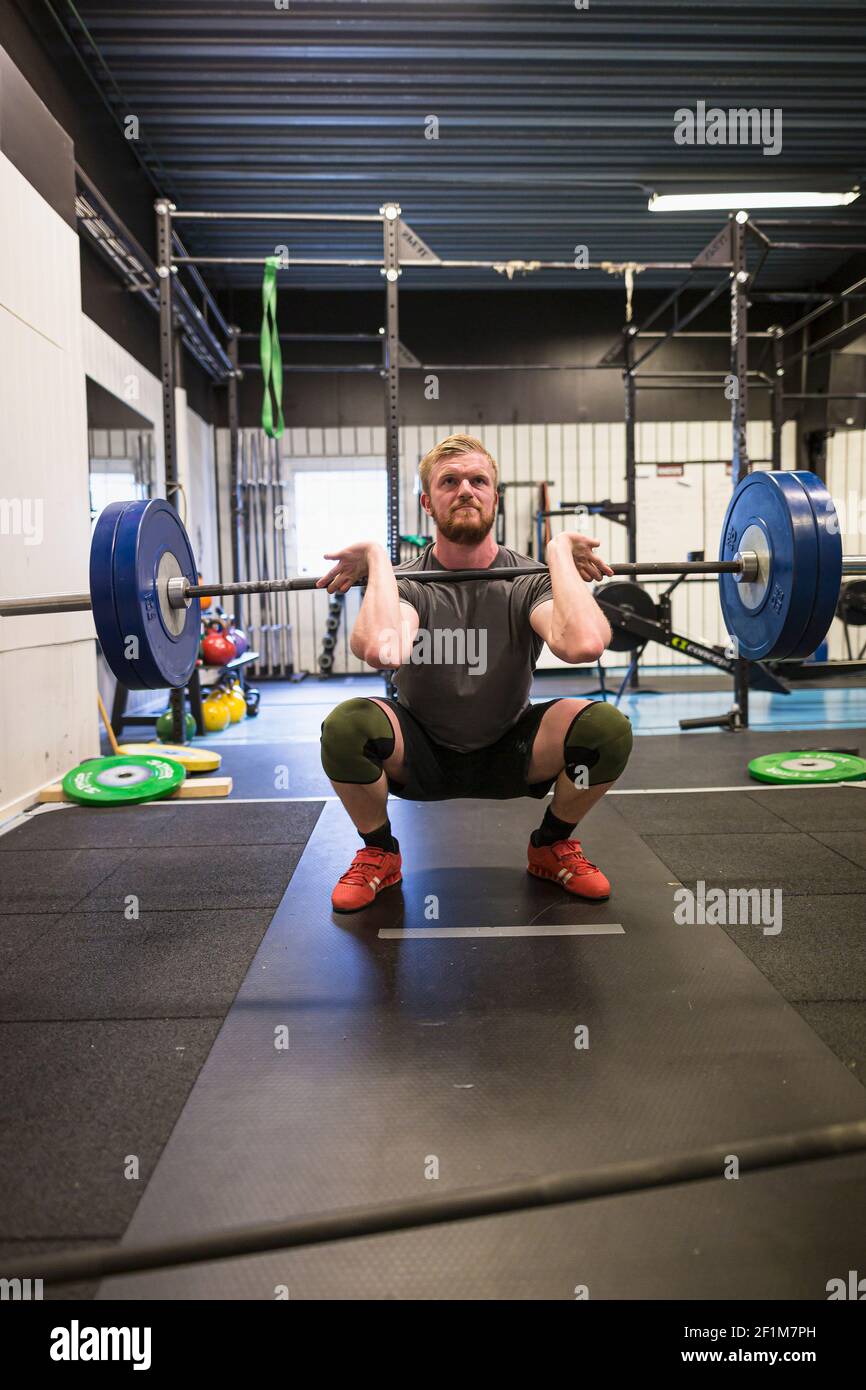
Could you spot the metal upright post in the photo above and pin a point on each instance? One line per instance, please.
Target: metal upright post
(391, 372)
(235, 498)
(630, 395)
(816, 449)
(166, 344)
(740, 464)
(391, 271)
(778, 398)
(739, 352)
(630, 463)
(167, 351)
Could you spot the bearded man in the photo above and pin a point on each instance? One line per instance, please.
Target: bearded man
(462, 724)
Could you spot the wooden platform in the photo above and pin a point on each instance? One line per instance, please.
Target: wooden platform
(191, 789)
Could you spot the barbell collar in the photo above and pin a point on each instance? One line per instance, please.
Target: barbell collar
(749, 566)
(178, 592)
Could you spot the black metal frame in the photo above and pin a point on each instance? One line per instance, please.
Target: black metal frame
(395, 232)
(236, 505)
(726, 253)
(170, 260)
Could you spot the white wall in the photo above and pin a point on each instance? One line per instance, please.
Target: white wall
(117, 371)
(585, 463)
(48, 708)
(199, 510)
(48, 667)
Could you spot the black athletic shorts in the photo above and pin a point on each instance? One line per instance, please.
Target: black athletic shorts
(496, 773)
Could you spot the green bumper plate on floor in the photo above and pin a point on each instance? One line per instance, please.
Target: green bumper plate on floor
(807, 766)
(120, 781)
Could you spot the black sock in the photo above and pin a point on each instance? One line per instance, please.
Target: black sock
(381, 839)
(551, 830)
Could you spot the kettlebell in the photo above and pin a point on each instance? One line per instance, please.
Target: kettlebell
(215, 713)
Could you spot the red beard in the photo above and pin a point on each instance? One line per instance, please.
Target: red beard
(465, 526)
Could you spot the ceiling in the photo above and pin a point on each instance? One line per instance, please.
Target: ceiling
(554, 124)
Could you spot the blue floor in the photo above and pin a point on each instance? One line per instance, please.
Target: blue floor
(807, 707)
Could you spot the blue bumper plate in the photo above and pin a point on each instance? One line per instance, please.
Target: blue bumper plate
(147, 644)
(773, 513)
(829, 563)
(151, 539)
(102, 589)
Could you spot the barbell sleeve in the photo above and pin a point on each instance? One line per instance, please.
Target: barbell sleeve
(50, 603)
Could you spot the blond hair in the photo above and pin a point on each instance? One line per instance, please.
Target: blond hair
(454, 444)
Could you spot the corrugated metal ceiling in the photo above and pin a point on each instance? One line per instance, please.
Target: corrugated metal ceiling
(554, 123)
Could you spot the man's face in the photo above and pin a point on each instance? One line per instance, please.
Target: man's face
(463, 498)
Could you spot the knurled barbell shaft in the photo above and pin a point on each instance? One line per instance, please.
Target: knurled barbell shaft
(255, 586)
(181, 592)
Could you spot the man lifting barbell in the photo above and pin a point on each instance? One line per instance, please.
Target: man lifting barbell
(780, 569)
(463, 727)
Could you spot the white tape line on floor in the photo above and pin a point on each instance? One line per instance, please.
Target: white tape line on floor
(532, 929)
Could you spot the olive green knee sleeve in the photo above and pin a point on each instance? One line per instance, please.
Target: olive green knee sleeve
(598, 739)
(356, 739)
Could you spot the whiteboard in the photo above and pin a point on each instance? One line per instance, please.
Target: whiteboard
(670, 514)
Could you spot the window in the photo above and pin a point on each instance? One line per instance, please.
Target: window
(336, 507)
(121, 467)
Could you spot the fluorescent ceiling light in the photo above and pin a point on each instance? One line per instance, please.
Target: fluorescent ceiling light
(727, 202)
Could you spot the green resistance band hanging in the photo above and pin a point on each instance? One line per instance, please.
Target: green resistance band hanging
(271, 357)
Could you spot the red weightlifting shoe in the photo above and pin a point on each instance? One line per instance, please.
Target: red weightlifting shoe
(565, 863)
(371, 870)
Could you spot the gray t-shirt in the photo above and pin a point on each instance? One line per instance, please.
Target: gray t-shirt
(473, 658)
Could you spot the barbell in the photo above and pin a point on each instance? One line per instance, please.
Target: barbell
(780, 569)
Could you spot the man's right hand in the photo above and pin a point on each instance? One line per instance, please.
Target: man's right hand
(352, 566)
